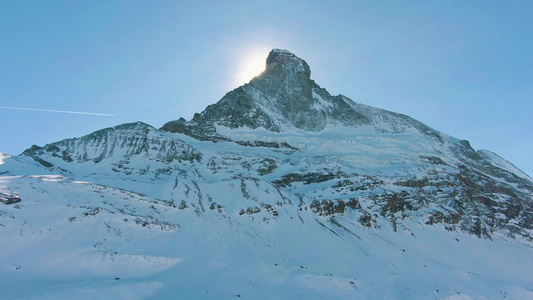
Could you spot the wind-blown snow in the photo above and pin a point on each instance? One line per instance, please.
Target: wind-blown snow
(3, 156)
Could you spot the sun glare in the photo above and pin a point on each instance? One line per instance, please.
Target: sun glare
(252, 65)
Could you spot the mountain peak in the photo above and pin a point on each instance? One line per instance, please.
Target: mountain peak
(281, 98)
(387, 197)
(280, 60)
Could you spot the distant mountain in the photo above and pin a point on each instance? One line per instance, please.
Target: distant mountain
(278, 190)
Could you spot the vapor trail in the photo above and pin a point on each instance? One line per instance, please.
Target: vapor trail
(60, 111)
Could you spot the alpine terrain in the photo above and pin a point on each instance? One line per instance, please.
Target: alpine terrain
(280, 190)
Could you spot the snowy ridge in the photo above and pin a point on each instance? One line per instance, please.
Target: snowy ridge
(502, 163)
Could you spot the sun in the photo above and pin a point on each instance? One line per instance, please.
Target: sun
(253, 64)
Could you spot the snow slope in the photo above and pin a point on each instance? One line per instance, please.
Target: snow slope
(71, 239)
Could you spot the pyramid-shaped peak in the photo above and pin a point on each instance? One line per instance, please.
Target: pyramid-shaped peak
(280, 60)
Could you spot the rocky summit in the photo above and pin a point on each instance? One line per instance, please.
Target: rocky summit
(280, 190)
(282, 98)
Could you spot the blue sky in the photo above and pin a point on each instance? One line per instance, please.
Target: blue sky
(462, 67)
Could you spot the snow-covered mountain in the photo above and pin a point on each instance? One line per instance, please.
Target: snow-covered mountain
(279, 190)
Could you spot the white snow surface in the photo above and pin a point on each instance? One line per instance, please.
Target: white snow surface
(70, 240)
(138, 226)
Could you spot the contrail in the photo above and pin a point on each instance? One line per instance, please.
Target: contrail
(60, 111)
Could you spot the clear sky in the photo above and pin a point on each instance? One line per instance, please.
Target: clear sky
(462, 67)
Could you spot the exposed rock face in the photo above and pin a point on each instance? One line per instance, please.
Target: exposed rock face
(120, 145)
(281, 63)
(288, 89)
(281, 98)
(8, 199)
